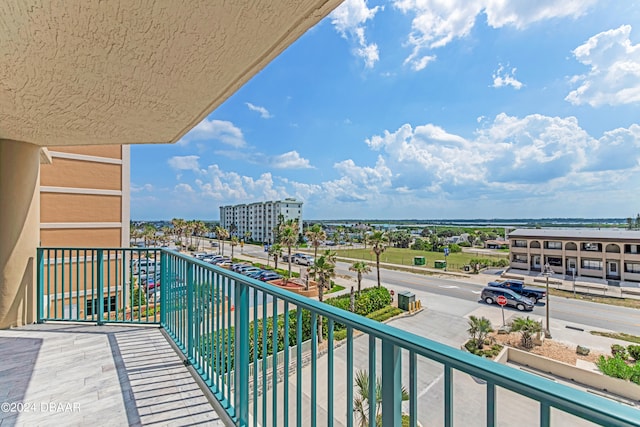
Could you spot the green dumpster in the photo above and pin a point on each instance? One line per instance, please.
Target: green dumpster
(440, 263)
(404, 299)
(419, 260)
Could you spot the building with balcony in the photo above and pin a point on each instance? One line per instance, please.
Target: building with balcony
(602, 254)
(260, 218)
(136, 72)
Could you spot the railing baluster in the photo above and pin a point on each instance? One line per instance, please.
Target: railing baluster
(491, 404)
(448, 396)
(264, 361)
(545, 414)
(372, 381)
(254, 349)
(413, 389)
(100, 284)
(241, 365)
(285, 379)
(299, 366)
(349, 376)
(189, 301)
(330, 372)
(274, 358)
(55, 284)
(391, 384)
(314, 367)
(40, 260)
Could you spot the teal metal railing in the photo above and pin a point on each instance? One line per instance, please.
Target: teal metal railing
(258, 349)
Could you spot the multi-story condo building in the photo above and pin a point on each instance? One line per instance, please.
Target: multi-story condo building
(260, 218)
(603, 254)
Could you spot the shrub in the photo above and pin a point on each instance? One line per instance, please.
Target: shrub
(619, 350)
(634, 352)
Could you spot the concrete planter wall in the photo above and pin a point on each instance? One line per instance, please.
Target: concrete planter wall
(588, 378)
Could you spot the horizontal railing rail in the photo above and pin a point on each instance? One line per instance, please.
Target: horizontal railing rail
(229, 326)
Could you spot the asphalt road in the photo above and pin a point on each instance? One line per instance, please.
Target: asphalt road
(594, 315)
(597, 316)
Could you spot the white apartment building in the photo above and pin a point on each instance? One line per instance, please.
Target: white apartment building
(260, 218)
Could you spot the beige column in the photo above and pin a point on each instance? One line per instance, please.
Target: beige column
(19, 231)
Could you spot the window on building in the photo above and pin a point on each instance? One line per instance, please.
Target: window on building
(554, 261)
(592, 264)
(519, 244)
(519, 258)
(92, 306)
(535, 244)
(593, 247)
(632, 267)
(631, 249)
(571, 246)
(549, 244)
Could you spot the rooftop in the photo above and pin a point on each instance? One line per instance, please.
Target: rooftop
(579, 234)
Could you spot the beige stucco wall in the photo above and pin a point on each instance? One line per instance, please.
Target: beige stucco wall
(111, 151)
(74, 173)
(81, 237)
(19, 221)
(64, 208)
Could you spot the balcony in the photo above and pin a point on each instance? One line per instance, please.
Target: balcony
(222, 325)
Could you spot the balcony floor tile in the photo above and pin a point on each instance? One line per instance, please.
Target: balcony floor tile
(69, 374)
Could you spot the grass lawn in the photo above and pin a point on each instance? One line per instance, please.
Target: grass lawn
(455, 261)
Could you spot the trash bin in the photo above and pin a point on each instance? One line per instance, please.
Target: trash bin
(404, 299)
(467, 268)
(440, 263)
(419, 260)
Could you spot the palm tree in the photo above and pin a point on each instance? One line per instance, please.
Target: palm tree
(378, 240)
(325, 269)
(179, 225)
(479, 329)
(222, 234)
(275, 251)
(316, 236)
(247, 237)
(234, 243)
(149, 234)
(288, 236)
(527, 327)
(361, 268)
(361, 402)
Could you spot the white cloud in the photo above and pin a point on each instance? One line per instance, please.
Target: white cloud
(502, 77)
(136, 188)
(185, 163)
(436, 23)
(183, 188)
(264, 113)
(536, 154)
(289, 160)
(350, 19)
(614, 74)
(215, 130)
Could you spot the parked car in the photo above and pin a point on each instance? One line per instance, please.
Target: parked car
(302, 259)
(212, 259)
(238, 265)
(248, 270)
(285, 257)
(490, 296)
(518, 287)
(144, 265)
(269, 275)
(254, 274)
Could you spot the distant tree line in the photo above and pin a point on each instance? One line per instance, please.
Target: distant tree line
(633, 224)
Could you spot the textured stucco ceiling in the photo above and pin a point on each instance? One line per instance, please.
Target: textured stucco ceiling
(76, 72)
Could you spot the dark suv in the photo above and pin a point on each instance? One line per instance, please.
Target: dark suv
(490, 296)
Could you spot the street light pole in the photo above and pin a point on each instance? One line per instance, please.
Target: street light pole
(547, 272)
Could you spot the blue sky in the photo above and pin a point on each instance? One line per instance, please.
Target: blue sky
(423, 109)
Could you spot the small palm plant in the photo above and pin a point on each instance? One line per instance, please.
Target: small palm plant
(527, 327)
(479, 330)
(362, 402)
(361, 268)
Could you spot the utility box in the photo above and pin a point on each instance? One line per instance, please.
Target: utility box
(440, 263)
(467, 268)
(404, 299)
(419, 260)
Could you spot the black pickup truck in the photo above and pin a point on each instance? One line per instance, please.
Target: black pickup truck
(518, 287)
